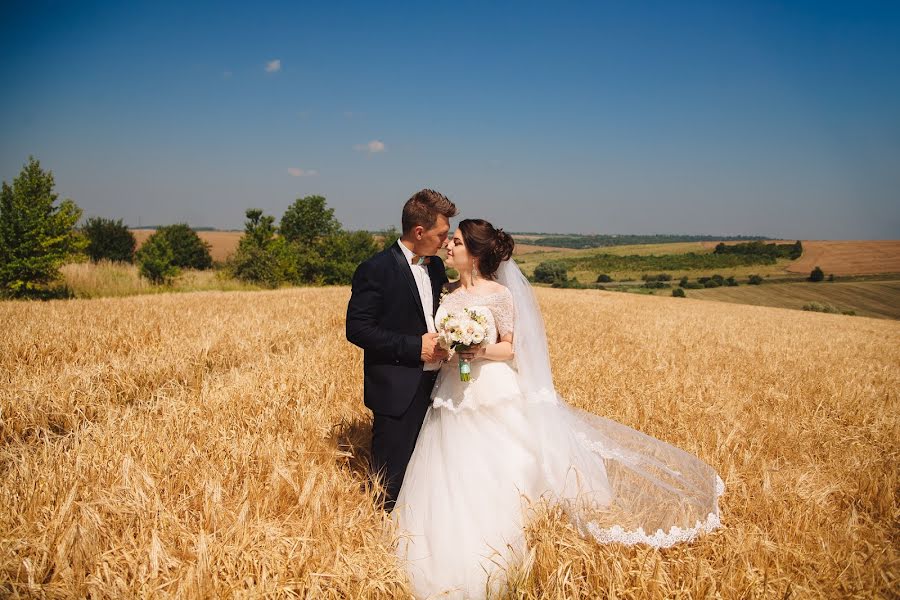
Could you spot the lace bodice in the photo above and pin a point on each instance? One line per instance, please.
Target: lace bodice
(501, 319)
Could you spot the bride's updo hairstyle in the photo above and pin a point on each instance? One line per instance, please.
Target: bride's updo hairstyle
(490, 246)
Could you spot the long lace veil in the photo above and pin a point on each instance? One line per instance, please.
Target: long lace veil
(530, 339)
(620, 485)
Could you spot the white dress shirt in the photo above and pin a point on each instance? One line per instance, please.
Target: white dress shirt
(423, 283)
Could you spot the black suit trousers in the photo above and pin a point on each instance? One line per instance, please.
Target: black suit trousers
(394, 438)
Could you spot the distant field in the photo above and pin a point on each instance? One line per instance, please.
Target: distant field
(838, 257)
(528, 261)
(849, 257)
(528, 249)
(879, 299)
(223, 243)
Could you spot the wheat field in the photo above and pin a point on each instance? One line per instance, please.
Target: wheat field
(213, 444)
(846, 257)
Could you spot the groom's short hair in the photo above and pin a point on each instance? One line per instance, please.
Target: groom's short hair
(424, 207)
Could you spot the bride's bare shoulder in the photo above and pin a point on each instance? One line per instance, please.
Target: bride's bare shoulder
(494, 287)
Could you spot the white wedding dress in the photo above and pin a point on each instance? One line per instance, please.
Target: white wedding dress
(490, 446)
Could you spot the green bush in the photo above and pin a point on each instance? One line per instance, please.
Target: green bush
(389, 236)
(678, 293)
(571, 284)
(342, 252)
(816, 275)
(754, 280)
(731, 282)
(108, 240)
(821, 307)
(553, 271)
(261, 258)
(156, 260)
(827, 308)
(683, 282)
(608, 263)
(656, 285)
(603, 278)
(188, 250)
(711, 282)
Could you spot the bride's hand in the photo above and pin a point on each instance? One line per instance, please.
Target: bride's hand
(471, 354)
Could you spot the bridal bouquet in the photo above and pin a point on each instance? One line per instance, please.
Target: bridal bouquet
(463, 331)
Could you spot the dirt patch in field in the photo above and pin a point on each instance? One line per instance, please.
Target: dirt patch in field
(858, 257)
(222, 243)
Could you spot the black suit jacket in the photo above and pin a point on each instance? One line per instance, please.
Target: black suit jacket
(385, 318)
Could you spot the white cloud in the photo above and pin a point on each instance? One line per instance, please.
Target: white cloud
(373, 147)
(273, 66)
(302, 172)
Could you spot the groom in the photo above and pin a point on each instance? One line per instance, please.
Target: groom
(391, 317)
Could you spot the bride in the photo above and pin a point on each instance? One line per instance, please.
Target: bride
(493, 444)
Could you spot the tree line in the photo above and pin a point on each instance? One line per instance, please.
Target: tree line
(583, 242)
(757, 248)
(38, 235)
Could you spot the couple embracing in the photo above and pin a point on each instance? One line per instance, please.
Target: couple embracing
(462, 457)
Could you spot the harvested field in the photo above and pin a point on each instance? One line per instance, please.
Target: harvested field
(849, 257)
(222, 243)
(880, 299)
(214, 445)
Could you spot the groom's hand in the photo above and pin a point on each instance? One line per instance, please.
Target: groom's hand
(431, 352)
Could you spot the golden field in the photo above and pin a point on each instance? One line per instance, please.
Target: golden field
(878, 299)
(105, 279)
(222, 244)
(849, 257)
(213, 444)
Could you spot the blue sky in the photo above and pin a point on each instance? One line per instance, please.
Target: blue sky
(765, 118)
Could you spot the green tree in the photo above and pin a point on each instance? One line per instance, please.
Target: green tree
(262, 257)
(816, 275)
(308, 220)
(156, 260)
(36, 235)
(343, 251)
(108, 239)
(389, 236)
(188, 250)
(551, 271)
